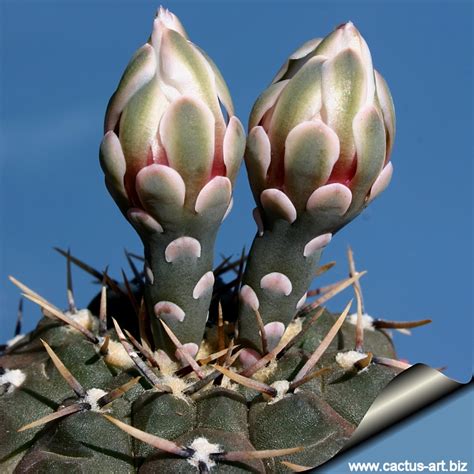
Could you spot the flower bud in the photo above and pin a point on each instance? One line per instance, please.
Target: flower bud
(327, 117)
(170, 156)
(167, 112)
(317, 153)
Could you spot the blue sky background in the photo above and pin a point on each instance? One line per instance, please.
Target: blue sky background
(60, 62)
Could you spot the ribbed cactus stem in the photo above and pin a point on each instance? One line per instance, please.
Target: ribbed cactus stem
(282, 264)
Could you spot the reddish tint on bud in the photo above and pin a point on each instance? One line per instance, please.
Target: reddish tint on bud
(167, 111)
(327, 117)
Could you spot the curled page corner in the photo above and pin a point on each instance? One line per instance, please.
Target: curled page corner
(410, 391)
(413, 389)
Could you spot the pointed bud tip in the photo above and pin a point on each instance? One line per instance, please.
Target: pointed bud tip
(166, 19)
(348, 25)
(348, 31)
(163, 13)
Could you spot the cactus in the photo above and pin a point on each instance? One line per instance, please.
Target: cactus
(145, 379)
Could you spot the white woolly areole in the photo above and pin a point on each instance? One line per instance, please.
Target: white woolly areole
(176, 384)
(202, 451)
(167, 366)
(282, 387)
(92, 396)
(347, 359)
(263, 374)
(292, 330)
(117, 356)
(227, 383)
(14, 378)
(367, 321)
(206, 348)
(82, 316)
(11, 342)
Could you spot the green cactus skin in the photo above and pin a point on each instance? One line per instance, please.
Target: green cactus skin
(270, 255)
(319, 415)
(187, 280)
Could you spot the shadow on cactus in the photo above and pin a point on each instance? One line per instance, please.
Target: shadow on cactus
(186, 368)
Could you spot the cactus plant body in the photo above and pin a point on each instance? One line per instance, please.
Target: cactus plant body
(178, 369)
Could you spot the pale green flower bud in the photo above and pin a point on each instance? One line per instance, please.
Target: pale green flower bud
(170, 155)
(166, 111)
(317, 153)
(317, 115)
